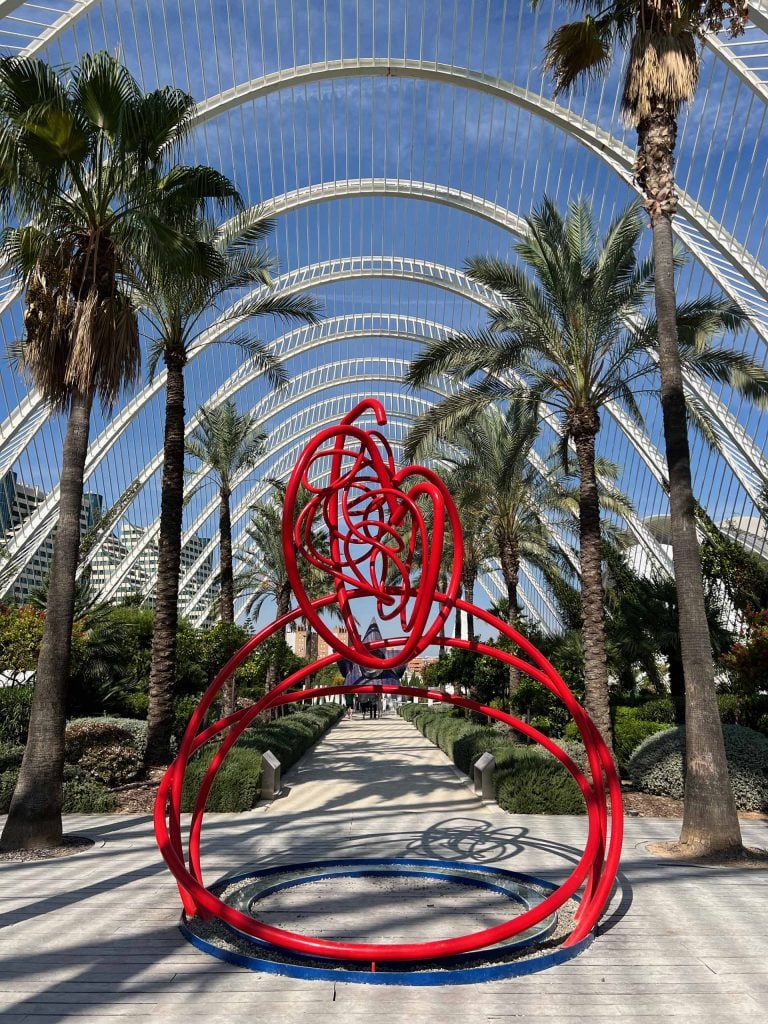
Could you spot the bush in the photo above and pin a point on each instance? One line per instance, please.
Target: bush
(536, 783)
(238, 782)
(81, 795)
(7, 786)
(658, 765)
(527, 779)
(738, 709)
(658, 709)
(183, 708)
(107, 750)
(10, 757)
(628, 733)
(15, 707)
(135, 705)
(84, 796)
(728, 705)
(236, 786)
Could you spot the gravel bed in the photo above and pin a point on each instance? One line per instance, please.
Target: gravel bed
(223, 937)
(69, 845)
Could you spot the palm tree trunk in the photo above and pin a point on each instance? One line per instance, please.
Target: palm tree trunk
(468, 585)
(584, 426)
(282, 607)
(163, 667)
(227, 583)
(509, 559)
(710, 822)
(34, 818)
(457, 619)
(225, 556)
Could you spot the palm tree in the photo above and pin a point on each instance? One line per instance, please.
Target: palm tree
(662, 73)
(87, 170)
(226, 443)
(178, 308)
(574, 337)
(489, 456)
(264, 575)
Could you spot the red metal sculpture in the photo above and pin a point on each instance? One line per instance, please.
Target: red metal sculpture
(365, 525)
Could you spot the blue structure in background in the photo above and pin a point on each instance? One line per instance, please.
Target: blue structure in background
(355, 674)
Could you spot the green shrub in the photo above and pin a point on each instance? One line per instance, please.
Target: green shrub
(7, 786)
(15, 706)
(536, 783)
(728, 705)
(183, 709)
(108, 750)
(576, 751)
(84, 796)
(628, 734)
(571, 732)
(744, 709)
(10, 756)
(658, 709)
(135, 705)
(81, 795)
(238, 783)
(658, 765)
(527, 779)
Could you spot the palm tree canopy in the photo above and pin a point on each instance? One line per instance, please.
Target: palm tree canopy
(662, 37)
(238, 262)
(571, 329)
(264, 574)
(87, 182)
(226, 442)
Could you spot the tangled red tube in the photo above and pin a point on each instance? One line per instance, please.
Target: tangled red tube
(375, 522)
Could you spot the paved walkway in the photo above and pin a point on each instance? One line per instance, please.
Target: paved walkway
(93, 937)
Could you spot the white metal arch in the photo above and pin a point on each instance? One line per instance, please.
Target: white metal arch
(22, 424)
(294, 443)
(303, 339)
(308, 388)
(741, 448)
(758, 13)
(601, 143)
(740, 452)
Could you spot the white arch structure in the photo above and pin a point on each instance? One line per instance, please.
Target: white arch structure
(736, 270)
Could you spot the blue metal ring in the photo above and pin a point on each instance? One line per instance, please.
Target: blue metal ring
(468, 968)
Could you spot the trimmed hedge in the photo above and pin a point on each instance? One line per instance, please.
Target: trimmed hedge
(527, 779)
(658, 765)
(630, 729)
(238, 783)
(107, 750)
(81, 795)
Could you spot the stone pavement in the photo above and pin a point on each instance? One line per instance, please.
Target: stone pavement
(93, 937)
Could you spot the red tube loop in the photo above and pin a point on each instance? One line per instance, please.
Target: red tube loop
(377, 533)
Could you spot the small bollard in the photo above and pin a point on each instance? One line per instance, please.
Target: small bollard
(483, 776)
(270, 776)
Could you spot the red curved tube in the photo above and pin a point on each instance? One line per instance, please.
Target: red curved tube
(377, 533)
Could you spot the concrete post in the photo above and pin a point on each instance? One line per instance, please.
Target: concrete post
(270, 776)
(483, 776)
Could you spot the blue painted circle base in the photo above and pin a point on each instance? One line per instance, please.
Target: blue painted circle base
(515, 958)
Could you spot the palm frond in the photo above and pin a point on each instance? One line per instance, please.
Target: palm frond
(578, 49)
